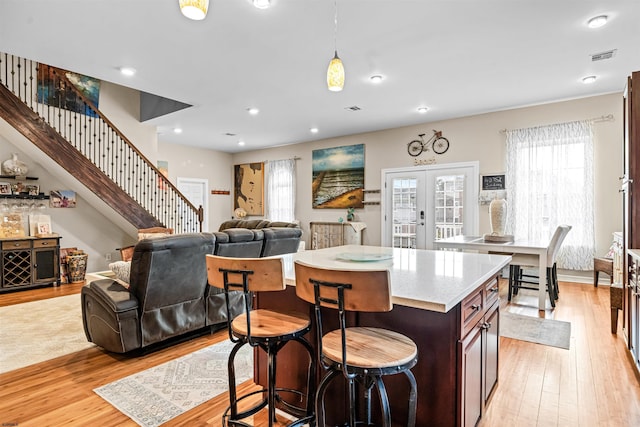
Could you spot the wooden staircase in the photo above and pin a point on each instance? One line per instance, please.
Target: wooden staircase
(42, 104)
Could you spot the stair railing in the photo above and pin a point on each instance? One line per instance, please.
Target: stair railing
(50, 93)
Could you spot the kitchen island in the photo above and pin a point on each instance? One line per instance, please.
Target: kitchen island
(446, 302)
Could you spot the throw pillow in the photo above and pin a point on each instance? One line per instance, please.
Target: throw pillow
(122, 270)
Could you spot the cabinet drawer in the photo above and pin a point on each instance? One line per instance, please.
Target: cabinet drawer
(45, 243)
(491, 292)
(16, 244)
(472, 311)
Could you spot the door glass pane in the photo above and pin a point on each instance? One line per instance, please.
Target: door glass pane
(403, 212)
(449, 205)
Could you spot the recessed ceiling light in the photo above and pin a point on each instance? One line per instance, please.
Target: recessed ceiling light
(177, 130)
(588, 80)
(127, 71)
(597, 21)
(313, 130)
(422, 110)
(241, 143)
(376, 79)
(262, 4)
(253, 111)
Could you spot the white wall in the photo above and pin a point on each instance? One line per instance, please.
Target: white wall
(471, 138)
(214, 166)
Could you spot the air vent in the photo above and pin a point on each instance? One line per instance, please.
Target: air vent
(353, 108)
(603, 55)
(230, 134)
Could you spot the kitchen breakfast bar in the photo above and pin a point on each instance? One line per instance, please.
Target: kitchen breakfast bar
(445, 301)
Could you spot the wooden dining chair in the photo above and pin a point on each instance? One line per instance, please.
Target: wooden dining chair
(360, 353)
(269, 330)
(519, 280)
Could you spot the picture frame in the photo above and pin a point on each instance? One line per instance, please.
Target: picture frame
(5, 188)
(248, 191)
(32, 189)
(493, 182)
(337, 180)
(62, 199)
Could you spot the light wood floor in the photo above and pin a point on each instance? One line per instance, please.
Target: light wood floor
(592, 384)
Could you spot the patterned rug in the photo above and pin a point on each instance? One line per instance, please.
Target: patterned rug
(36, 331)
(551, 332)
(156, 395)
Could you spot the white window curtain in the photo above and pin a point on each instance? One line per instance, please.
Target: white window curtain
(281, 190)
(549, 183)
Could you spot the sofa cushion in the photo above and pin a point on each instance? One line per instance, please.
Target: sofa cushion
(240, 235)
(243, 223)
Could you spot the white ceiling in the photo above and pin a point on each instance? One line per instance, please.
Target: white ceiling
(458, 57)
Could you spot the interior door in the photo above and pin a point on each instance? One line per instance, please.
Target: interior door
(195, 190)
(423, 204)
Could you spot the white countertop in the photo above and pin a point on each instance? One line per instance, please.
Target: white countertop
(430, 280)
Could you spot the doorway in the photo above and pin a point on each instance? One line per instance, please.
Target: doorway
(196, 190)
(425, 203)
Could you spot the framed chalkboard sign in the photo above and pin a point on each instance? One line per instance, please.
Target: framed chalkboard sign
(493, 182)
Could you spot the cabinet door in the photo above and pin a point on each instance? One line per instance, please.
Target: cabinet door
(471, 377)
(634, 314)
(16, 268)
(491, 343)
(45, 266)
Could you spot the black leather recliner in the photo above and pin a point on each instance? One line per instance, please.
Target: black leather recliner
(168, 296)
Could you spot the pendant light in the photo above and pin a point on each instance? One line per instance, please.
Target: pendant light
(335, 73)
(194, 9)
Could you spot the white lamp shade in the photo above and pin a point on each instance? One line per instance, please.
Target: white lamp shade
(335, 74)
(194, 9)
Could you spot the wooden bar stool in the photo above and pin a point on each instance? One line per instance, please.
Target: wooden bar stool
(361, 354)
(267, 329)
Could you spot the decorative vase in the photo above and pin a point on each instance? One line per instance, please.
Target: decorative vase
(76, 267)
(498, 216)
(13, 166)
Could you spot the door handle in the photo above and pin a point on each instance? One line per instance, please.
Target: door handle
(421, 214)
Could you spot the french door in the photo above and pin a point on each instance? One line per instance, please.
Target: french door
(423, 204)
(196, 190)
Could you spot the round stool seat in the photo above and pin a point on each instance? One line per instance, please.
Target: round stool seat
(370, 348)
(269, 324)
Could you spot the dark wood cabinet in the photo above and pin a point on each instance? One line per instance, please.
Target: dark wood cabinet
(631, 212)
(28, 262)
(479, 356)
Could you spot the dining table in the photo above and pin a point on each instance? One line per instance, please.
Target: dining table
(517, 246)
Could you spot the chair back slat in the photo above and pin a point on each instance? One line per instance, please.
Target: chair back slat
(267, 273)
(369, 291)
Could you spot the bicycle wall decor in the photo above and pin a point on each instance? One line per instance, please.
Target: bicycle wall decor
(439, 144)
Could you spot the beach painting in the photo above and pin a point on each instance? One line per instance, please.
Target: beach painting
(338, 177)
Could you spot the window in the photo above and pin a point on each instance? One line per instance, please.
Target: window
(281, 190)
(550, 182)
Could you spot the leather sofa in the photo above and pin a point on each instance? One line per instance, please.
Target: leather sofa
(168, 295)
(275, 237)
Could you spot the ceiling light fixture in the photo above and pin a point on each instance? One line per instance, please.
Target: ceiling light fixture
(422, 110)
(241, 143)
(376, 79)
(253, 111)
(262, 4)
(335, 72)
(194, 9)
(127, 71)
(588, 80)
(313, 130)
(597, 21)
(177, 130)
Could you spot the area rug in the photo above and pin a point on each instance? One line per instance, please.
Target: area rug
(550, 332)
(36, 331)
(158, 394)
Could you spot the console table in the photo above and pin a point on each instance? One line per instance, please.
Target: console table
(27, 262)
(330, 234)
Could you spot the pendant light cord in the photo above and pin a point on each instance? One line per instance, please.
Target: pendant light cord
(335, 21)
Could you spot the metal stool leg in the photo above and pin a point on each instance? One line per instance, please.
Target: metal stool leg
(413, 399)
(384, 402)
(322, 388)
